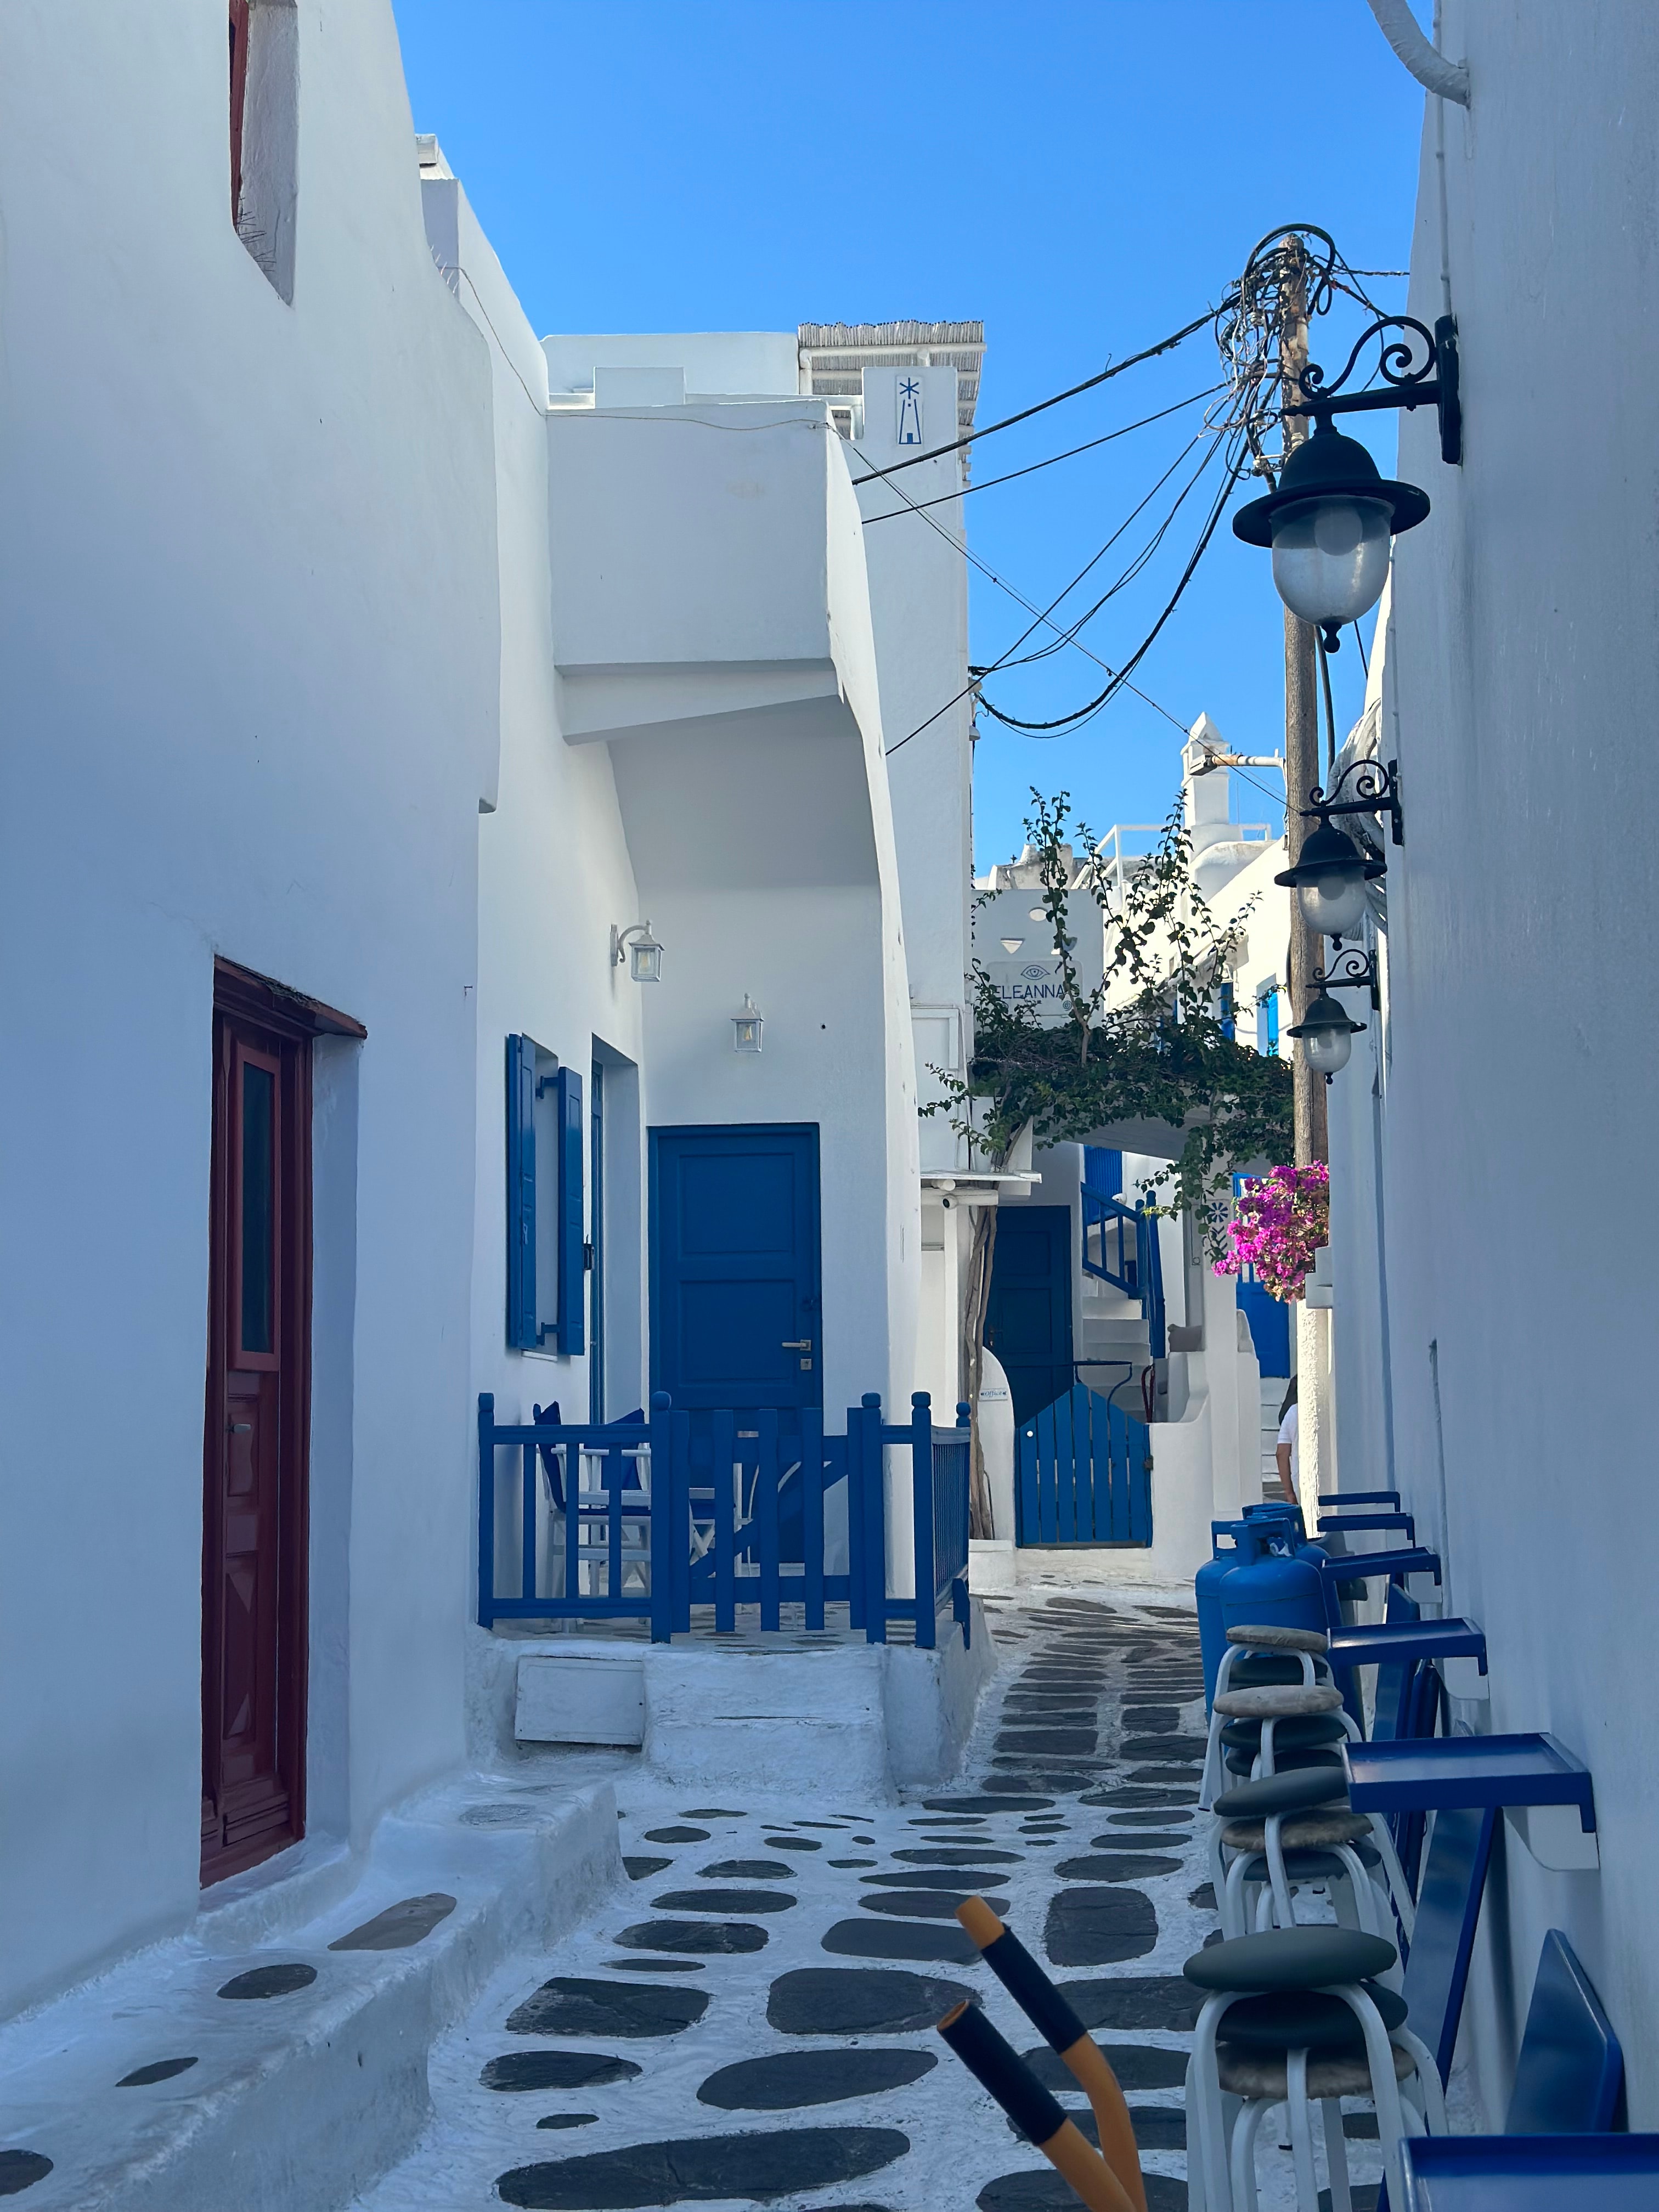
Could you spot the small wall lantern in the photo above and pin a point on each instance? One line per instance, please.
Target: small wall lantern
(636, 946)
(1330, 881)
(1327, 1036)
(746, 1027)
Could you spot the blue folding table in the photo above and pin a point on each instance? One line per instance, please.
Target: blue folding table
(1546, 1794)
(1531, 2173)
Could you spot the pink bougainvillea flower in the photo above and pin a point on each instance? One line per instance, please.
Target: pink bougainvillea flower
(1280, 1221)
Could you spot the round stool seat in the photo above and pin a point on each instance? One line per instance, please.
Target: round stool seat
(1305, 2020)
(1296, 1959)
(1270, 1638)
(1312, 1866)
(1246, 2073)
(1291, 1735)
(1262, 1668)
(1312, 1832)
(1240, 1762)
(1281, 1793)
(1280, 1701)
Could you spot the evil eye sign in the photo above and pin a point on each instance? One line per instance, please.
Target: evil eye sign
(1033, 983)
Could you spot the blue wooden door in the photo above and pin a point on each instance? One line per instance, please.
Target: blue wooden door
(1083, 1473)
(735, 1298)
(1028, 1323)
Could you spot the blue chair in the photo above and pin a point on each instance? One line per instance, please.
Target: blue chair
(1569, 2081)
(1571, 2071)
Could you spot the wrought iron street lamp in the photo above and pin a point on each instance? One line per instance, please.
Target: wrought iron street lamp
(1327, 1036)
(1330, 881)
(1329, 522)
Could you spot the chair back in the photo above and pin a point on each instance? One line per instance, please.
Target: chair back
(1571, 2068)
(1448, 1907)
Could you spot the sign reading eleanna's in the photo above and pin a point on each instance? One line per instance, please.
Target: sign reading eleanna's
(1034, 984)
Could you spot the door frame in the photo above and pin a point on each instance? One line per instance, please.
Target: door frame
(811, 1130)
(283, 1024)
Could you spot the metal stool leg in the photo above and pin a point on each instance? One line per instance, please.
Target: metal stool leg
(1307, 2182)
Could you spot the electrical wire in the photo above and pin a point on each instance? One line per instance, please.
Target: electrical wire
(1128, 576)
(1004, 660)
(1071, 452)
(1115, 368)
(1236, 468)
(1039, 614)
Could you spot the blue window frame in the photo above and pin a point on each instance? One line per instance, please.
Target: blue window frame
(1267, 1022)
(546, 1257)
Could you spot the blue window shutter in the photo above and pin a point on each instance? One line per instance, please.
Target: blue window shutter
(573, 1143)
(521, 1331)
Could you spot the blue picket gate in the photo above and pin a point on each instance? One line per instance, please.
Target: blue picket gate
(718, 1508)
(1083, 1473)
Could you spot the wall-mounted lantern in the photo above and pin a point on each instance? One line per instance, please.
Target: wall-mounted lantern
(746, 1027)
(1331, 519)
(636, 946)
(1330, 881)
(1327, 1036)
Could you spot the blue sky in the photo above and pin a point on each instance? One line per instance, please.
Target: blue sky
(1083, 178)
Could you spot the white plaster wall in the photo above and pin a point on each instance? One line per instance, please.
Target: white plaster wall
(919, 604)
(247, 683)
(554, 873)
(1524, 662)
(811, 958)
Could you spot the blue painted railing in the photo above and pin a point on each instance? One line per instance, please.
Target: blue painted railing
(1083, 1473)
(644, 1520)
(1121, 1247)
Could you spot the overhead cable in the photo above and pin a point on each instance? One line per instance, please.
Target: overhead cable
(1116, 368)
(1236, 469)
(915, 507)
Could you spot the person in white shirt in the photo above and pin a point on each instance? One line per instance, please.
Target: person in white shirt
(1286, 1451)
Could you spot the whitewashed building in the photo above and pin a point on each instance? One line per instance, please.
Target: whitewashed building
(1206, 1358)
(385, 690)
(1490, 1135)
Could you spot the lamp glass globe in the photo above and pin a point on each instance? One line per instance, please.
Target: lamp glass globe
(1331, 557)
(1329, 1050)
(1333, 904)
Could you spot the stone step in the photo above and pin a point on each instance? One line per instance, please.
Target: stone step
(303, 2008)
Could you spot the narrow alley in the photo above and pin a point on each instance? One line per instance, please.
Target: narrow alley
(752, 2016)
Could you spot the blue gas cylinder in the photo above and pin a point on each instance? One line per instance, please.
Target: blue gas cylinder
(1278, 1509)
(1207, 1586)
(1267, 1587)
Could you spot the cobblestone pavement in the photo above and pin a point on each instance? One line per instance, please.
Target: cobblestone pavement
(752, 2019)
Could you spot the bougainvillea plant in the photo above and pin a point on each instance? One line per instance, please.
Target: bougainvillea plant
(1282, 1219)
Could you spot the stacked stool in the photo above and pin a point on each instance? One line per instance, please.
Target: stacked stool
(1276, 1707)
(1248, 1725)
(1299, 2017)
(1294, 2014)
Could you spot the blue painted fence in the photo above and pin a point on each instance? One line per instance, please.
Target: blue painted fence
(1083, 1473)
(718, 1508)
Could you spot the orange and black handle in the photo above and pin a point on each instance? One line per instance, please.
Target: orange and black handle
(996, 2066)
(1064, 2033)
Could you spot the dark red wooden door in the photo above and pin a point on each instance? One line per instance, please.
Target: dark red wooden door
(254, 1458)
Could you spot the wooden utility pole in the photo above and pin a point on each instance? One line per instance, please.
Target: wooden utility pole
(1302, 770)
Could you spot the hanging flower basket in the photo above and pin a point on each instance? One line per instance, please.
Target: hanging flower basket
(1281, 1220)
